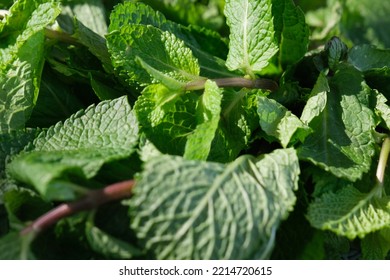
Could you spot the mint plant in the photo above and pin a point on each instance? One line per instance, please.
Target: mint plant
(227, 130)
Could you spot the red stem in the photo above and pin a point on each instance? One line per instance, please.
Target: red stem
(92, 200)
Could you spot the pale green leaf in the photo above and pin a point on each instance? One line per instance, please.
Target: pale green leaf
(252, 43)
(202, 210)
(277, 121)
(208, 115)
(78, 148)
(350, 213)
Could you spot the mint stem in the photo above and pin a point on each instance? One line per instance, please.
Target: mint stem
(384, 155)
(92, 200)
(260, 83)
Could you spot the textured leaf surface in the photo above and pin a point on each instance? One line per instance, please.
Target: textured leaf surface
(130, 13)
(20, 69)
(252, 42)
(350, 213)
(276, 120)
(342, 141)
(201, 210)
(368, 57)
(78, 148)
(208, 115)
(239, 119)
(145, 54)
(166, 117)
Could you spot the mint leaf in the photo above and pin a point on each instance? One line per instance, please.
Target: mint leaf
(208, 115)
(166, 117)
(13, 246)
(368, 58)
(130, 13)
(109, 246)
(382, 109)
(146, 54)
(279, 122)
(252, 43)
(350, 213)
(291, 31)
(365, 21)
(12, 143)
(91, 13)
(201, 210)
(342, 141)
(376, 245)
(239, 120)
(77, 148)
(20, 70)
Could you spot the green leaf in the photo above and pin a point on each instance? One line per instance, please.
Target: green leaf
(208, 115)
(277, 121)
(365, 21)
(201, 210)
(78, 148)
(252, 43)
(291, 31)
(166, 117)
(145, 54)
(56, 102)
(91, 14)
(376, 245)
(324, 21)
(239, 120)
(109, 246)
(382, 109)
(12, 143)
(342, 141)
(130, 13)
(20, 70)
(369, 58)
(13, 246)
(350, 213)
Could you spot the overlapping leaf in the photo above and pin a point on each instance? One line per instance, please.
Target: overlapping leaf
(78, 148)
(146, 54)
(342, 141)
(20, 69)
(277, 121)
(202, 210)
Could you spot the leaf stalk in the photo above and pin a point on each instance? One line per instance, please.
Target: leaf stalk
(383, 157)
(92, 200)
(259, 83)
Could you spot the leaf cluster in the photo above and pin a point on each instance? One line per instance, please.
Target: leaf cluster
(252, 129)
